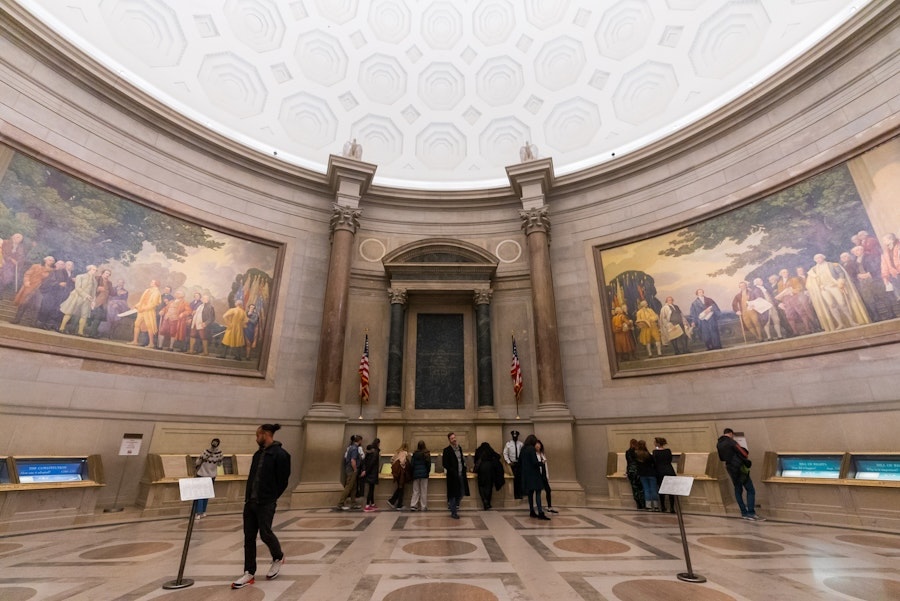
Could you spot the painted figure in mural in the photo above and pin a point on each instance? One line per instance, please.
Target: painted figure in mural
(790, 292)
(79, 302)
(203, 317)
(118, 303)
(250, 330)
(29, 296)
(753, 315)
(871, 251)
(890, 264)
(648, 322)
(146, 314)
(101, 300)
(674, 327)
(173, 328)
(235, 320)
(53, 293)
(705, 315)
(774, 320)
(623, 337)
(12, 266)
(834, 298)
(877, 300)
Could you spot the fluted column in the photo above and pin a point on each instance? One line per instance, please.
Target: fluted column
(344, 223)
(483, 348)
(536, 224)
(395, 348)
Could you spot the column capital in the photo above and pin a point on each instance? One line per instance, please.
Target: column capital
(343, 218)
(483, 296)
(349, 179)
(398, 296)
(535, 220)
(532, 181)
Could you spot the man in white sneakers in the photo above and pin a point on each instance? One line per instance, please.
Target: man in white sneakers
(270, 470)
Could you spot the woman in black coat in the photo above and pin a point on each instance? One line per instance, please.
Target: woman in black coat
(662, 460)
(489, 470)
(531, 477)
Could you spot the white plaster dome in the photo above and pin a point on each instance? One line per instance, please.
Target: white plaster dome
(442, 94)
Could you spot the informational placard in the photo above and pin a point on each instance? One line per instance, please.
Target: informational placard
(676, 485)
(192, 489)
(131, 444)
(877, 468)
(810, 466)
(35, 471)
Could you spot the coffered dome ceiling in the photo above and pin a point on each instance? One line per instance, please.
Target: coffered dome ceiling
(442, 94)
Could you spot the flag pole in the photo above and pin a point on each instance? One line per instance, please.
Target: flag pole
(517, 393)
(365, 354)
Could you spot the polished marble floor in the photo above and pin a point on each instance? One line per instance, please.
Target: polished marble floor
(582, 554)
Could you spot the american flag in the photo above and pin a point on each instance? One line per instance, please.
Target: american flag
(516, 371)
(364, 374)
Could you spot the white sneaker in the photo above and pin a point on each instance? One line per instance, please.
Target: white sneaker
(275, 568)
(243, 581)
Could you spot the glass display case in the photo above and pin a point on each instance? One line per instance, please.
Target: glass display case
(885, 467)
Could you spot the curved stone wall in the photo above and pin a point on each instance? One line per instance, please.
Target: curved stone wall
(62, 110)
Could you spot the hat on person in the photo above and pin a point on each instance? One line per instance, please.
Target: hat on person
(515, 432)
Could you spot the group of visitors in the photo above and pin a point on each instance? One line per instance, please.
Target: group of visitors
(645, 471)
(361, 468)
(527, 462)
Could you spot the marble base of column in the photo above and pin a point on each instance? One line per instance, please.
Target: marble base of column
(323, 446)
(553, 425)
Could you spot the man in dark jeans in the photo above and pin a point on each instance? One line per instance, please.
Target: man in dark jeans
(737, 464)
(270, 470)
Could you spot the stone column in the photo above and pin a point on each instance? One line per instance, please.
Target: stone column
(483, 344)
(553, 422)
(536, 225)
(324, 426)
(344, 223)
(395, 348)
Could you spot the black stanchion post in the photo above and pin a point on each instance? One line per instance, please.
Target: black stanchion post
(182, 582)
(688, 576)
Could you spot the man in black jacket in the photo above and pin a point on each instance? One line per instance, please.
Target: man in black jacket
(270, 470)
(737, 464)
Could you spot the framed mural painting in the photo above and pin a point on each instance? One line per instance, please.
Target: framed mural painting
(812, 268)
(89, 273)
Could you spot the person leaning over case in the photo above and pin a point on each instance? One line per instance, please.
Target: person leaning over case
(207, 465)
(737, 464)
(270, 470)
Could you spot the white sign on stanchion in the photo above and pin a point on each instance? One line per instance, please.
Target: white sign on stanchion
(680, 486)
(191, 489)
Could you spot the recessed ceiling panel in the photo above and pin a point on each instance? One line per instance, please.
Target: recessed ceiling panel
(442, 94)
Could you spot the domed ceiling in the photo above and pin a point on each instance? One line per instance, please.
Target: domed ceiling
(442, 94)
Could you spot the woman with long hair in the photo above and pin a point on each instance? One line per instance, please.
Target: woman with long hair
(532, 484)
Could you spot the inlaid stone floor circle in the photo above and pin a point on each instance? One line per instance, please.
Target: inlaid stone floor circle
(326, 523)
(439, 548)
(664, 590)
(17, 593)
(738, 543)
(126, 550)
(296, 548)
(441, 591)
(591, 546)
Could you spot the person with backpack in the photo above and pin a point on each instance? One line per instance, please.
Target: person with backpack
(400, 471)
(421, 469)
(737, 463)
(370, 466)
(352, 472)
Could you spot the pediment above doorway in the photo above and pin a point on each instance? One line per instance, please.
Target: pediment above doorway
(442, 262)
